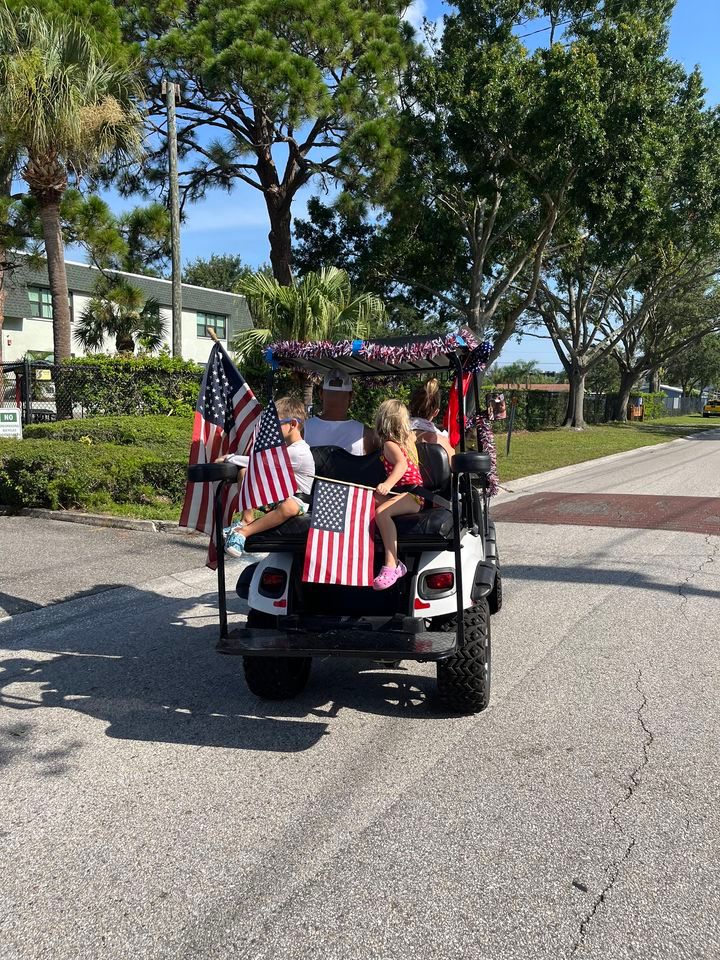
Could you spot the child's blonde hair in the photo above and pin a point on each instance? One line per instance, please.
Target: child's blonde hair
(392, 422)
(291, 408)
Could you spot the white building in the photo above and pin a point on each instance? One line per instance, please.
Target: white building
(28, 311)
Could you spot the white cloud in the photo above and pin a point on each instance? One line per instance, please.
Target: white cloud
(415, 13)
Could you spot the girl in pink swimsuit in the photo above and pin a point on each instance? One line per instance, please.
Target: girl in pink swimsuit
(400, 459)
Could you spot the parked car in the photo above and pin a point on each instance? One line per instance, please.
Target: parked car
(712, 408)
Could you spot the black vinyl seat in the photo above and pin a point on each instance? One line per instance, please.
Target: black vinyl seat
(429, 528)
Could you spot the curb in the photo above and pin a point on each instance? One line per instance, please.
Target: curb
(516, 487)
(99, 520)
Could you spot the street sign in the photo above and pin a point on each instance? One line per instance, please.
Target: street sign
(10, 423)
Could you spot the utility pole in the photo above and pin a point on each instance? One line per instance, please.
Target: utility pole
(172, 94)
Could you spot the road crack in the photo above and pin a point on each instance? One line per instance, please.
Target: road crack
(614, 869)
(712, 552)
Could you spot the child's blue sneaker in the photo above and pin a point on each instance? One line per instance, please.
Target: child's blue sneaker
(234, 543)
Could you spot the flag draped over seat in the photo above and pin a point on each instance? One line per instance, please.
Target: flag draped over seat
(341, 542)
(269, 477)
(226, 414)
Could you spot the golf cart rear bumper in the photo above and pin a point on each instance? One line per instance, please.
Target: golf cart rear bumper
(401, 639)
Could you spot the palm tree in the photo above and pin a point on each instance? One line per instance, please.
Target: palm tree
(119, 309)
(320, 306)
(65, 110)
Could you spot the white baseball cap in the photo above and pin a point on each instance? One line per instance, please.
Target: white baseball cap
(337, 380)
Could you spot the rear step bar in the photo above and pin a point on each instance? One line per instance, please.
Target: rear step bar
(339, 642)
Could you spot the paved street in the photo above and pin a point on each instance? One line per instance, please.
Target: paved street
(153, 808)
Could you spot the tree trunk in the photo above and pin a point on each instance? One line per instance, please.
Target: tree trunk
(124, 343)
(62, 333)
(627, 382)
(55, 252)
(575, 416)
(280, 238)
(570, 408)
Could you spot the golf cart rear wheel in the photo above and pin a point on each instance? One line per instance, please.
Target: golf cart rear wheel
(274, 678)
(464, 678)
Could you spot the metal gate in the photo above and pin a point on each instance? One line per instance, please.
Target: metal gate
(29, 385)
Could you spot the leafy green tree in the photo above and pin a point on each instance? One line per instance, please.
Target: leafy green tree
(320, 306)
(646, 240)
(519, 372)
(604, 378)
(697, 366)
(293, 91)
(671, 330)
(219, 271)
(64, 110)
(119, 309)
(343, 235)
(136, 241)
(506, 148)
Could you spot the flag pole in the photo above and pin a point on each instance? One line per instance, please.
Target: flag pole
(213, 335)
(360, 486)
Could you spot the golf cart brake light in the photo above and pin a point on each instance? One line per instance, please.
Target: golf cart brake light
(273, 582)
(273, 578)
(440, 581)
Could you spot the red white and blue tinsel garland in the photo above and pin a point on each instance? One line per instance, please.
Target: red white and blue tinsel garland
(475, 362)
(370, 350)
(486, 438)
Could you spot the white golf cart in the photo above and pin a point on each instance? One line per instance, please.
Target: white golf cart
(439, 612)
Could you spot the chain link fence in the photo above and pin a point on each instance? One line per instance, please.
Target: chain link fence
(46, 391)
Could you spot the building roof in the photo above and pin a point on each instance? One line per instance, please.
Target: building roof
(82, 279)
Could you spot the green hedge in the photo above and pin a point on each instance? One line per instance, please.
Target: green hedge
(61, 475)
(172, 434)
(104, 386)
(653, 403)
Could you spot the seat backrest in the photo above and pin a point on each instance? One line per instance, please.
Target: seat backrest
(434, 467)
(337, 464)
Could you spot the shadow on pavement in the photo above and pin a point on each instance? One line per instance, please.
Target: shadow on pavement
(622, 577)
(146, 670)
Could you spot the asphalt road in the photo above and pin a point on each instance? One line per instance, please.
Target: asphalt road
(152, 808)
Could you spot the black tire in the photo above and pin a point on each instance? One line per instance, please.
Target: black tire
(706, 415)
(274, 678)
(464, 678)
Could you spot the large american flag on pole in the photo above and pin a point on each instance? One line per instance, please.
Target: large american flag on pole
(341, 542)
(225, 417)
(269, 477)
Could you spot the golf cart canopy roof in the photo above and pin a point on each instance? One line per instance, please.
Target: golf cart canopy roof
(392, 356)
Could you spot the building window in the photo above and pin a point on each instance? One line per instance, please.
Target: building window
(214, 320)
(40, 302)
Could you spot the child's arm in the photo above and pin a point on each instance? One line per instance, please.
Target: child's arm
(393, 454)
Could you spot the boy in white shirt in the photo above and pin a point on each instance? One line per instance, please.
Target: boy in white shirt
(291, 414)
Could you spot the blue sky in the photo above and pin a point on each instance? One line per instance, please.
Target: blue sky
(237, 223)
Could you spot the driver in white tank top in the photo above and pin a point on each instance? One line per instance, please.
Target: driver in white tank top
(334, 428)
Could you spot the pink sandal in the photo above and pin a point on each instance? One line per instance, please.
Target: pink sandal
(388, 576)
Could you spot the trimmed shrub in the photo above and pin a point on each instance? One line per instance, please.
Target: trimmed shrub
(61, 475)
(173, 434)
(653, 404)
(104, 386)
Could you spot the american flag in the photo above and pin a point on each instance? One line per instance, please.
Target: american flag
(269, 477)
(225, 417)
(341, 542)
